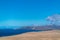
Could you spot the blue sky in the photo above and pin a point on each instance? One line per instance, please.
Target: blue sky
(27, 12)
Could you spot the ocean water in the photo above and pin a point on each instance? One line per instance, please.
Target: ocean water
(10, 32)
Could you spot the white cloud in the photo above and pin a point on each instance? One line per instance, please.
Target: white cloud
(54, 19)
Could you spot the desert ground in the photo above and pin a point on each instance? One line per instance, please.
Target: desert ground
(44, 35)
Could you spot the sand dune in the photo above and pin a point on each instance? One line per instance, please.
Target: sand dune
(45, 35)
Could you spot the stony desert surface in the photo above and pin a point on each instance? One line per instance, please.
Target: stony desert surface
(44, 35)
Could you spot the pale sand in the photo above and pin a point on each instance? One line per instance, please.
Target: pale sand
(45, 35)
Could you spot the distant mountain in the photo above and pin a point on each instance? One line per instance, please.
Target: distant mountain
(43, 28)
